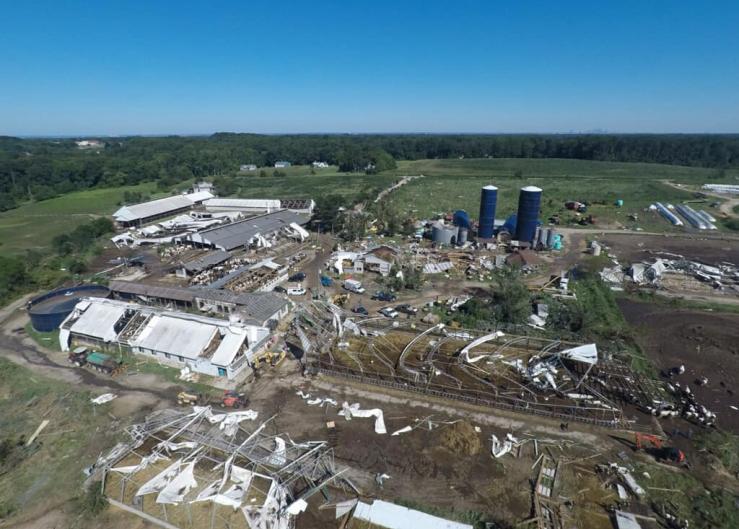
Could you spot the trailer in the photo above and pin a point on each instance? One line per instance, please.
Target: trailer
(100, 362)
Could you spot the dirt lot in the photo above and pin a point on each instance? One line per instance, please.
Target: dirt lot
(631, 247)
(706, 343)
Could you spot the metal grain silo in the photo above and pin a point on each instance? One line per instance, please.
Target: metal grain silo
(461, 218)
(488, 202)
(529, 203)
(442, 234)
(462, 236)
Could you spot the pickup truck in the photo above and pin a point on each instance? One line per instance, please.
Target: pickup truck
(389, 312)
(384, 296)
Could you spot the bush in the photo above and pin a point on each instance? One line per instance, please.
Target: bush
(92, 502)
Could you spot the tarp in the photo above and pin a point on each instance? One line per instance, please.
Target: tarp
(161, 480)
(583, 353)
(176, 489)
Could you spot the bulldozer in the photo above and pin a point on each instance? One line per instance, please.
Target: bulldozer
(653, 445)
(234, 399)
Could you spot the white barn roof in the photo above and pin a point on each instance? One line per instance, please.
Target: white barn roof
(160, 206)
(97, 320)
(176, 336)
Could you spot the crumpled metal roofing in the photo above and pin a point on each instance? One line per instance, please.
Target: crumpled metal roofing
(236, 234)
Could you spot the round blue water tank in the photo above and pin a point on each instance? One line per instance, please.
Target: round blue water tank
(529, 203)
(49, 310)
(488, 202)
(461, 219)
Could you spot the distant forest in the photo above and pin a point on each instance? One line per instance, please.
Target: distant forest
(37, 169)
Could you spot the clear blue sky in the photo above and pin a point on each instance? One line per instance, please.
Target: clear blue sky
(157, 67)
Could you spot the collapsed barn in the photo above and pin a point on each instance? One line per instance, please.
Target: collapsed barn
(568, 381)
(197, 468)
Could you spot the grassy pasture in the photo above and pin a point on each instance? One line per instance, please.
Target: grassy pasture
(32, 226)
(455, 184)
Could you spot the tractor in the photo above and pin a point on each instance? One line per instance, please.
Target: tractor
(233, 399)
(671, 454)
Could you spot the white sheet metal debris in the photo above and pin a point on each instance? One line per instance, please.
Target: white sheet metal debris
(102, 399)
(355, 411)
(391, 516)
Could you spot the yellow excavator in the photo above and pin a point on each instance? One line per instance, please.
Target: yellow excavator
(269, 359)
(340, 299)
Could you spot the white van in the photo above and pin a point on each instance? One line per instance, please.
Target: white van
(352, 285)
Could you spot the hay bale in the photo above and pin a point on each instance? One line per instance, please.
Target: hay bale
(461, 438)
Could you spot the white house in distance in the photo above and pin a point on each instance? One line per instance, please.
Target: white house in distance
(320, 165)
(215, 347)
(282, 164)
(247, 168)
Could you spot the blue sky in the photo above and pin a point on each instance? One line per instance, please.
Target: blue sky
(159, 67)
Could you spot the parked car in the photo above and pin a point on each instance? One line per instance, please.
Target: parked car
(326, 281)
(297, 278)
(384, 296)
(296, 291)
(405, 308)
(359, 309)
(389, 312)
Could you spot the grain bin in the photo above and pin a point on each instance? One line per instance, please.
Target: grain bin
(529, 202)
(488, 203)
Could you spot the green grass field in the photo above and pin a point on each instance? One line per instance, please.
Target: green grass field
(32, 226)
(455, 184)
(299, 183)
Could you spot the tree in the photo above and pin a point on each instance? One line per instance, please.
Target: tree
(511, 298)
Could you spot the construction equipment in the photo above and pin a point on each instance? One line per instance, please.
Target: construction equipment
(653, 445)
(188, 399)
(233, 399)
(340, 299)
(269, 358)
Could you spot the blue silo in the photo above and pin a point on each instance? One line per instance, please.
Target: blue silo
(529, 203)
(461, 219)
(488, 202)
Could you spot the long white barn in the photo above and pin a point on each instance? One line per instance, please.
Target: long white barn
(211, 346)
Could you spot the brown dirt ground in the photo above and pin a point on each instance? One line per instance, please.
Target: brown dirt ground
(706, 343)
(630, 247)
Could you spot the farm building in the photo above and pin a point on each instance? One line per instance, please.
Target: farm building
(202, 263)
(253, 231)
(357, 263)
(260, 205)
(138, 214)
(263, 308)
(206, 345)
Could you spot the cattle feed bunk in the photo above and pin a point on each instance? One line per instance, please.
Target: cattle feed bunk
(180, 470)
(552, 378)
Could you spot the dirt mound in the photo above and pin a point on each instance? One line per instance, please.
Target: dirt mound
(461, 438)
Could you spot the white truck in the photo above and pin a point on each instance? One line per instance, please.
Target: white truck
(296, 290)
(352, 285)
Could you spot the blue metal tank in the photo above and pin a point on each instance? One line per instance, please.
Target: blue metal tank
(49, 310)
(461, 219)
(529, 203)
(488, 202)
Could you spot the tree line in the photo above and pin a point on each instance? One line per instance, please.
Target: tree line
(37, 169)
